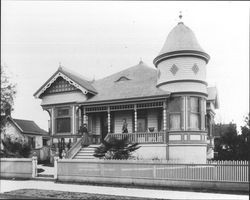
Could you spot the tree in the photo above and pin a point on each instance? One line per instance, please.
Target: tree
(227, 144)
(233, 146)
(244, 140)
(8, 92)
(15, 149)
(116, 149)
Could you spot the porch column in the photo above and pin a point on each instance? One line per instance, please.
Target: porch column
(84, 116)
(79, 118)
(52, 121)
(164, 116)
(135, 117)
(73, 119)
(108, 119)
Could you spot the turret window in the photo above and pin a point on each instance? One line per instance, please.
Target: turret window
(196, 115)
(174, 112)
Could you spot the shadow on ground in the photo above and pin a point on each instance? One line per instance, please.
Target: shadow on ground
(51, 194)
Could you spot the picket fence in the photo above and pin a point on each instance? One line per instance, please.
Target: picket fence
(219, 171)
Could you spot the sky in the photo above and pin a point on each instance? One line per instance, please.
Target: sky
(99, 38)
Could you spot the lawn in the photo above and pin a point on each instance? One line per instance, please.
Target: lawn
(51, 194)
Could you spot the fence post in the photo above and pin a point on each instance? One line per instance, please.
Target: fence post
(215, 171)
(56, 158)
(154, 171)
(34, 165)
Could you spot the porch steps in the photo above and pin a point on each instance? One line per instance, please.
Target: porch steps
(86, 152)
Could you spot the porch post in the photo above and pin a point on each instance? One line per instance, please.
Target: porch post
(164, 116)
(84, 116)
(108, 119)
(79, 117)
(73, 120)
(135, 118)
(165, 121)
(52, 121)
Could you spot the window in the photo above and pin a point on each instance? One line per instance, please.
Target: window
(63, 112)
(63, 125)
(63, 120)
(196, 113)
(174, 111)
(31, 142)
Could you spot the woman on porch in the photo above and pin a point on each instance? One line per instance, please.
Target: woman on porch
(85, 135)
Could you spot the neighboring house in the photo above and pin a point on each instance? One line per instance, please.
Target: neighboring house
(27, 131)
(169, 110)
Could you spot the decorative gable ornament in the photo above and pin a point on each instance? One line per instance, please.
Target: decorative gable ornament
(70, 81)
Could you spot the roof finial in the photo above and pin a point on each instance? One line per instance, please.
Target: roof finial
(180, 17)
(140, 61)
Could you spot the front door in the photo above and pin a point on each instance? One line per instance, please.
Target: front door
(104, 125)
(141, 125)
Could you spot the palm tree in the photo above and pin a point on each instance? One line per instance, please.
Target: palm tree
(116, 149)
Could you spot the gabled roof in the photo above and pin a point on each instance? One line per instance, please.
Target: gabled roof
(77, 80)
(28, 127)
(138, 81)
(213, 96)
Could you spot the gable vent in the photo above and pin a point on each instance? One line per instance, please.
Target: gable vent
(122, 78)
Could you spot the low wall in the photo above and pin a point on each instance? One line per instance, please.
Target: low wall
(16, 167)
(147, 174)
(151, 151)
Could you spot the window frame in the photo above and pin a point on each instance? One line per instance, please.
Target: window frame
(200, 113)
(65, 116)
(170, 112)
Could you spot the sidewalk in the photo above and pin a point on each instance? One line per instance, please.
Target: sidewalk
(9, 185)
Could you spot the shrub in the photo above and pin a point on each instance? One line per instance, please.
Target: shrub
(16, 149)
(116, 149)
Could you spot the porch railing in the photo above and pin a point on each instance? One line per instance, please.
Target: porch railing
(141, 137)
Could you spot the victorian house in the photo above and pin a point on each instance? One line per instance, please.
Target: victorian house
(169, 109)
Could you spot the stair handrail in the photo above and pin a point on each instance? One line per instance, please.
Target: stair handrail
(74, 149)
(107, 137)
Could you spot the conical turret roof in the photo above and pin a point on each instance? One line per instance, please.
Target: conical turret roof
(181, 41)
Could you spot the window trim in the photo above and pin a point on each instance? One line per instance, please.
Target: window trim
(180, 113)
(199, 113)
(68, 116)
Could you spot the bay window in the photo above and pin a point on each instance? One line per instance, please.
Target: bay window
(63, 120)
(174, 110)
(196, 115)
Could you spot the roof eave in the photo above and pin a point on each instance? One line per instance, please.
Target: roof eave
(122, 100)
